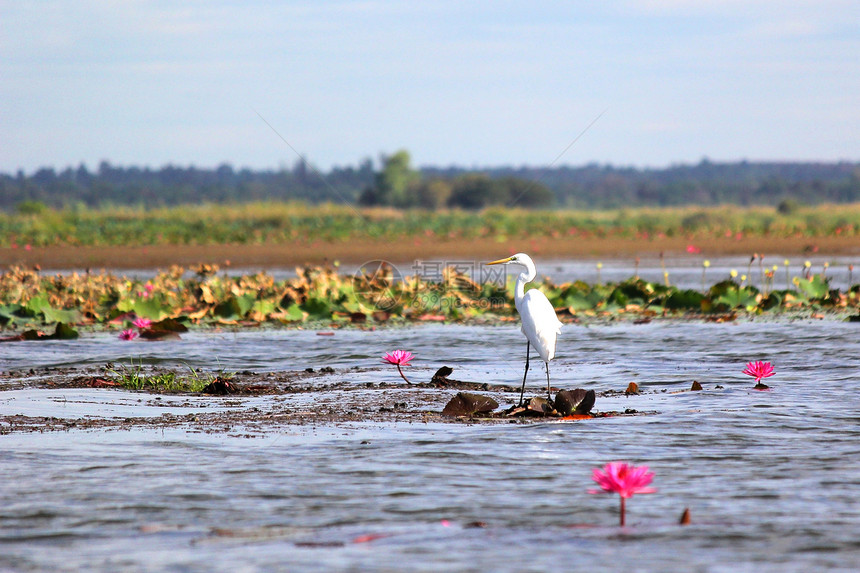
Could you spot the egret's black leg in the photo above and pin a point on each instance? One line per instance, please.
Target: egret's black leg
(526, 373)
(548, 390)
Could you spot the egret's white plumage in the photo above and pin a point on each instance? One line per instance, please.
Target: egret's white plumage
(539, 321)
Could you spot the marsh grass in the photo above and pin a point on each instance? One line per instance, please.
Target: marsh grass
(133, 376)
(291, 222)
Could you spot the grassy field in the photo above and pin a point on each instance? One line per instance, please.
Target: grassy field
(278, 223)
(282, 234)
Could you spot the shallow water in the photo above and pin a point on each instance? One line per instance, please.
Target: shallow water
(683, 271)
(771, 478)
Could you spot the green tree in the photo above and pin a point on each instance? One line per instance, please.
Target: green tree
(396, 184)
(434, 194)
(477, 190)
(528, 194)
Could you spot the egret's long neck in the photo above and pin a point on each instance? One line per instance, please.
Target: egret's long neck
(526, 276)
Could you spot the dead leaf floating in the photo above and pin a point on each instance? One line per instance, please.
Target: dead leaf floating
(467, 404)
(578, 401)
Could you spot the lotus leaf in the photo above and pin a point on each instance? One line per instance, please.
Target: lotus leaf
(684, 300)
(9, 313)
(149, 308)
(294, 314)
(745, 297)
(816, 287)
(61, 316)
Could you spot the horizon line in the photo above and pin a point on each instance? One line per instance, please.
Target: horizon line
(474, 168)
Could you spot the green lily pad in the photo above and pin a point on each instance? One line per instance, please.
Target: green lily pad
(294, 313)
(814, 287)
(149, 308)
(684, 300)
(61, 316)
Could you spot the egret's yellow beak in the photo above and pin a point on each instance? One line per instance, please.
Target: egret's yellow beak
(500, 261)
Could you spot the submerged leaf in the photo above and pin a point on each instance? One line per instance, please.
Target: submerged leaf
(169, 325)
(61, 332)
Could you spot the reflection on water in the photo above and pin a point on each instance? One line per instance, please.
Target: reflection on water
(771, 478)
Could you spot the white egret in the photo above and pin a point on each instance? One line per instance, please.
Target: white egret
(539, 321)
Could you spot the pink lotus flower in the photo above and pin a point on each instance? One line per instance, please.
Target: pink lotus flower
(128, 334)
(142, 323)
(759, 370)
(147, 291)
(399, 358)
(623, 479)
(693, 249)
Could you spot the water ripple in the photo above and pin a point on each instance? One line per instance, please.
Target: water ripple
(770, 477)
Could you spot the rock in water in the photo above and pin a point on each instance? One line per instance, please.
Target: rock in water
(467, 404)
(577, 401)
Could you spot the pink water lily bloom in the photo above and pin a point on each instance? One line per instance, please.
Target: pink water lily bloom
(399, 358)
(128, 334)
(142, 323)
(623, 479)
(147, 291)
(759, 370)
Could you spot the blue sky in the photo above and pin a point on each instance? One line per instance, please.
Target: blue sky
(468, 83)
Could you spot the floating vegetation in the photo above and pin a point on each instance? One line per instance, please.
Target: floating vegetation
(166, 304)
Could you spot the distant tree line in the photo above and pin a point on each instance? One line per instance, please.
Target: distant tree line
(396, 183)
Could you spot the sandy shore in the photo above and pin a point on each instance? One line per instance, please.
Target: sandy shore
(410, 249)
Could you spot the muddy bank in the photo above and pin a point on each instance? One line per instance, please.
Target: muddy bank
(358, 251)
(257, 403)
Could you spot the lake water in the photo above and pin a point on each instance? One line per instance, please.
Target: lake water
(771, 478)
(683, 271)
